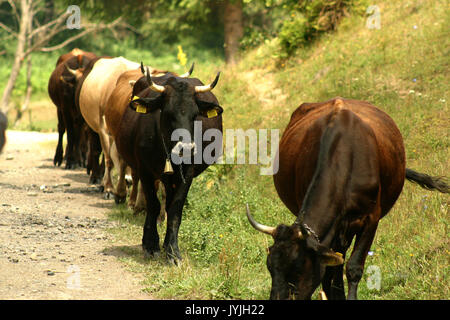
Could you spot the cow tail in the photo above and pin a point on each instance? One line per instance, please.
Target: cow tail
(428, 182)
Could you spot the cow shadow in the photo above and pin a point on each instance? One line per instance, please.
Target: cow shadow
(80, 177)
(133, 252)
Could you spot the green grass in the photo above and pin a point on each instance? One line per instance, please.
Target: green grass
(224, 258)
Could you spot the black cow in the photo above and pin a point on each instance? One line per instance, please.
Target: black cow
(165, 104)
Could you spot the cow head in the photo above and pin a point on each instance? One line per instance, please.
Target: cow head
(296, 261)
(181, 100)
(71, 76)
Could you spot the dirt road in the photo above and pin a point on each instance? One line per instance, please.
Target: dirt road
(53, 243)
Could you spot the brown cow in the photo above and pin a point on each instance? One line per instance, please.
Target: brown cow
(115, 109)
(341, 169)
(61, 89)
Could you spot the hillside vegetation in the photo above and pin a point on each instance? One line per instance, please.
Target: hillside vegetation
(402, 68)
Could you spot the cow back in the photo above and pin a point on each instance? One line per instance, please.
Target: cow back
(98, 86)
(300, 145)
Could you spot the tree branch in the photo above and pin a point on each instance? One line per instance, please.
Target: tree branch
(47, 26)
(89, 29)
(7, 29)
(13, 6)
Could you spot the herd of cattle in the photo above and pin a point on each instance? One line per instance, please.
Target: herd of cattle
(341, 164)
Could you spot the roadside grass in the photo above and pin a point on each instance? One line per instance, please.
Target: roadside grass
(400, 68)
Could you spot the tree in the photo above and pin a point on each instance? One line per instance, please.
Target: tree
(32, 36)
(233, 30)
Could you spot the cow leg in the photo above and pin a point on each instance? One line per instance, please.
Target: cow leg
(76, 142)
(333, 280)
(150, 238)
(141, 204)
(355, 265)
(134, 189)
(107, 181)
(176, 197)
(121, 188)
(70, 158)
(333, 283)
(57, 160)
(162, 214)
(95, 150)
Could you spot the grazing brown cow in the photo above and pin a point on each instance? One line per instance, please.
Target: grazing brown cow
(61, 89)
(341, 169)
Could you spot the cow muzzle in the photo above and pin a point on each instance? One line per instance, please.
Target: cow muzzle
(184, 150)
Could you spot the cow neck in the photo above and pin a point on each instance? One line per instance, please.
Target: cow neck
(168, 155)
(325, 198)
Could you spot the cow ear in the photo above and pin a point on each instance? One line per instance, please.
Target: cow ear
(69, 80)
(146, 105)
(330, 258)
(326, 256)
(209, 109)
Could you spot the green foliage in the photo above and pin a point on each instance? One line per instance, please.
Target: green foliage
(310, 18)
(294, 33)
(224, 258)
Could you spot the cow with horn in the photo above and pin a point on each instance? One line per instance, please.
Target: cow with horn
(341, 169)
(142, 120)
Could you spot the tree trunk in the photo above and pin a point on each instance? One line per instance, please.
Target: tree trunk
(233, 29)
(25, 6)
(28, 89)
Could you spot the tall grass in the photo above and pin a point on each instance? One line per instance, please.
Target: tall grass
(403, 69)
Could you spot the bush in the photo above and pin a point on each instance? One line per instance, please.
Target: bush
(294, 33)
(310, 18)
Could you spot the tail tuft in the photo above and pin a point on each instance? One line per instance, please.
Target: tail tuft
(428, 182)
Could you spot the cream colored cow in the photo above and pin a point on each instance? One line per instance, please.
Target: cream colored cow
(94, 95)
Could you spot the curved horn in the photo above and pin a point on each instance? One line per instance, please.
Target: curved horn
(142, 68)
(187, 74)
(209, 87)
(303, 232)
(153, 86)
(72, 71)
(258, 226)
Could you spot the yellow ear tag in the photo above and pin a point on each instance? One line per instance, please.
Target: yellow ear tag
(141, 109)
(211, 113)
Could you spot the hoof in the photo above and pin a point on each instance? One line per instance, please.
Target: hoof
(138, 210)
(94, 180)
(128, 180)
(119, 199)
(108, 195)
(173, 259)
(151, 254)
(71, 165)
